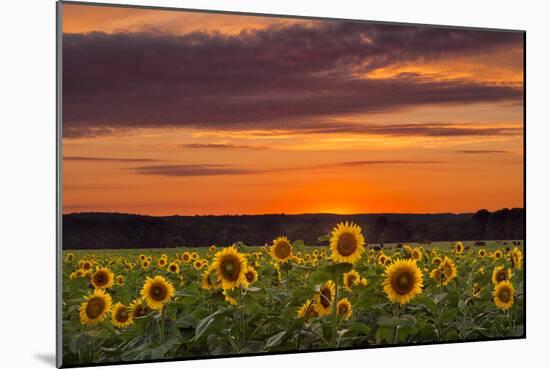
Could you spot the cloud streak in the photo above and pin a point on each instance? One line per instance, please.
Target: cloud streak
(202, 170)
(105, 159)
(221, 146)
(477, 152)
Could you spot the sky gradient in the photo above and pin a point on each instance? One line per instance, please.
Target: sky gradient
(192, 113)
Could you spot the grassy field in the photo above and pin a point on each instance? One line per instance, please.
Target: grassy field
(127, 305)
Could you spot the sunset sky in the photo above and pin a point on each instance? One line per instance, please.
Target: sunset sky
(188, 113)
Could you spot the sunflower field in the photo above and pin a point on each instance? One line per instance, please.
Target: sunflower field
(132, 305)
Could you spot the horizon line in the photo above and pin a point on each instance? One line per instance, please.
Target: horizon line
(290, 214)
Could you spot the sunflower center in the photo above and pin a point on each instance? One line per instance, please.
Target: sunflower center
(95, 307)
(282, 250)
(351, 279)
(231, 268)
(122, 315)
(346, 244)
(173, 268)
(402, 282)
(249, 277)
(100, 279)
(504, 295)
(343, 309)
(501, 275)
(326, 297)
(139, 311)
(158, 292)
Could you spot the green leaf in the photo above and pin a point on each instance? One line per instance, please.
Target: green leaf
(324, 238)
(339, 268)
(203, 324)
(274, 340)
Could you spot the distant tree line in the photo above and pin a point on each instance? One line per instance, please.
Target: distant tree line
(115, 230)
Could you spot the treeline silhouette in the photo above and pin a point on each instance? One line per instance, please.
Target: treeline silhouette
(115, 230)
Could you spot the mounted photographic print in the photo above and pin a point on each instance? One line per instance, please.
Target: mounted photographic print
(242, 184)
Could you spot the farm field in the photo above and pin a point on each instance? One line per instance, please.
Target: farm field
(128, 305)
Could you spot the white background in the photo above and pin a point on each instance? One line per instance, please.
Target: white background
(27, 192)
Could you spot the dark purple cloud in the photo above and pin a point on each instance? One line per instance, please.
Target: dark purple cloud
(262, 78)
(221, 146)
(476, 152)
(118, 160)
(192, 170)
(406, 129)
(201, 170)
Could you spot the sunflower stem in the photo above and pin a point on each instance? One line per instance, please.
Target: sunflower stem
(396, 314)
(241, 316)
(162, 324)
(334, 311)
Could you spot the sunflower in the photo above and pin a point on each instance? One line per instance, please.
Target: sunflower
(382, 259)
(162, 261)
(156, 291)
(142, 257)
(229, 299)
(436, 260)
(138, 308)
(194, 256)
(482, 253)
(145, 264)
(173, 267)
(307, 311)
(517, 258)
(230, 266)
(69, 257)
(95, 307)
(186, 257)
(197, 264)
(103, 278)
(119, 280)
(438, 275)
(344, 309)
(213, 249)
(476, 291)
(497, 254)
(503, 295)
(417, 254)
(403, 281)
(281, 249)
(501, 274)
(86, 265)
(449, 269)
(121, 316)
(351, 278)
(210, 280)
(323, 300)
(459, 248)
(346, 243)
(251, 275)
